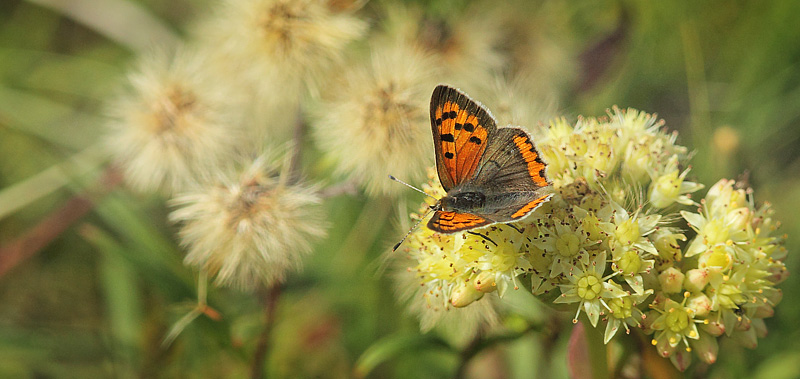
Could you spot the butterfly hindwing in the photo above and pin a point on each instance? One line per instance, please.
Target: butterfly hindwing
(451, 222)
(462, 130)
(511, 163)
(512, 176)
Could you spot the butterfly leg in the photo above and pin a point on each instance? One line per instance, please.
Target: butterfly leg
(484, 236)
(515, 228)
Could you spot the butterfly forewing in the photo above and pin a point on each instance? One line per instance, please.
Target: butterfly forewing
(461, 129)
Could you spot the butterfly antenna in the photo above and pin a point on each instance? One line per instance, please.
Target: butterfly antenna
(412, 228)
(412, 187)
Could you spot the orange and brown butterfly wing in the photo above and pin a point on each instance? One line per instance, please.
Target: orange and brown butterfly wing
(461, 129)
(451, 222)
(512, 176)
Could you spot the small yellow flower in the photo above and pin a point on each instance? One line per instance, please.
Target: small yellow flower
(724, 219)
(631, 230)
(675, 324)
(622, 312)
(670, 187)
(588, 287)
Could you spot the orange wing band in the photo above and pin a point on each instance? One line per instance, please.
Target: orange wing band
(535, 164)
(530, 206)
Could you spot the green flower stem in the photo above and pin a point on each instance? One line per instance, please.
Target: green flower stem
(598, 355)
(480, 343)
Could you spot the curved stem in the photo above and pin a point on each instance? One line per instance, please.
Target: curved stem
(474, 347)
(479, 343)
(262, 346)
(54, 224)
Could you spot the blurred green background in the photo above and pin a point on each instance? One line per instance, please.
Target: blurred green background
(99, 299)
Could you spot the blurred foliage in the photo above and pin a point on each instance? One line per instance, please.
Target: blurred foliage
(98, 301)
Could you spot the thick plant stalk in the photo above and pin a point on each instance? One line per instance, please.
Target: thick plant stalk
(598, 355)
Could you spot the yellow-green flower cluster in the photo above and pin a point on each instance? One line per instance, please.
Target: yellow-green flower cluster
(612, 243)
(727, 277)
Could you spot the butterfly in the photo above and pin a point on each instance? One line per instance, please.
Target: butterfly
(491, 175)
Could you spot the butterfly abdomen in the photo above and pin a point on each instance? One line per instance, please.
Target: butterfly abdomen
(464, 202)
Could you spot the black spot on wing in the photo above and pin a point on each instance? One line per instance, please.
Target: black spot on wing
(447, 137)
(448, 155)
(468, 127)
(475, 140)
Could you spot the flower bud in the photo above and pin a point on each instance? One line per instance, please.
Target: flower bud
(485, 282)
(706, 347)
(743, 324)
(739, 218)
(764, 311)
(696, 279)
(463, 295)
(671, 280)
(718, 189)
(775, 296)
(713, 328)
(663, 347)
(681, 359)
(760, 327)
(700, 304)
(778, 273)
(747, 338)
